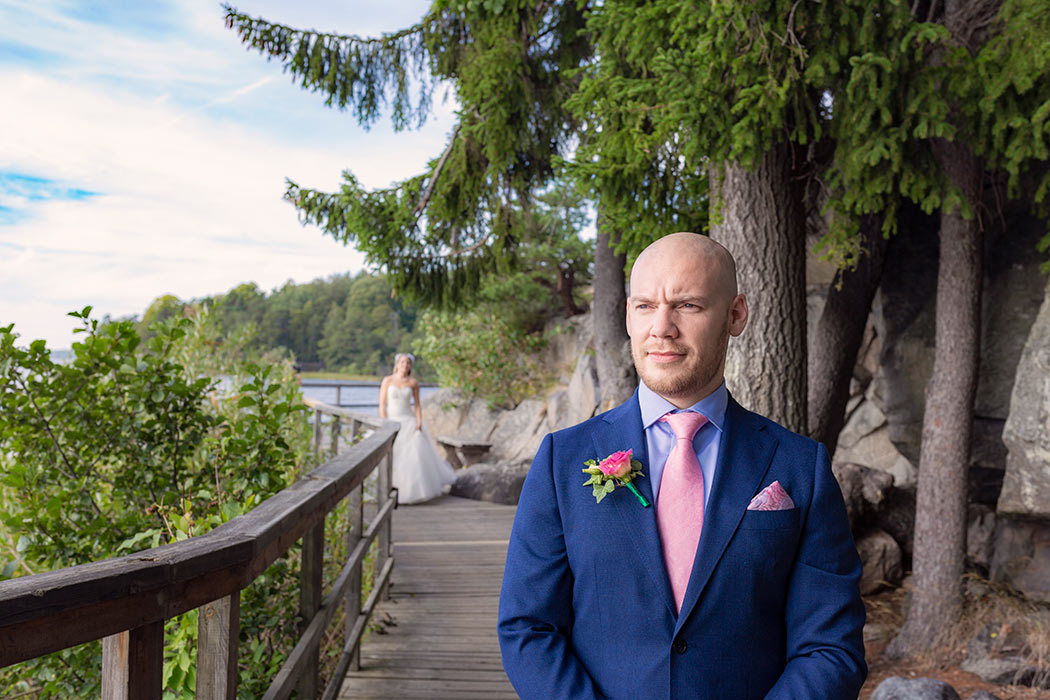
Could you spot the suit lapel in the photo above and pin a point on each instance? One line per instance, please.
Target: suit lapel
(624, 429)
(743, 460)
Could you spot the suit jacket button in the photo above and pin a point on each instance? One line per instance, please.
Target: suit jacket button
(679, 646)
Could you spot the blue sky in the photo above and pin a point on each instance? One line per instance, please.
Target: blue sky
(143, 151)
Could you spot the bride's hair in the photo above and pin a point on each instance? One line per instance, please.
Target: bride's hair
(411, 360)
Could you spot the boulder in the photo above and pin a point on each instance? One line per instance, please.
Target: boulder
(980, 535)
(865, 439)
(897, 688)
(584, 393)
(863, 489)
(515, 434)
(558, 411)
(897, 517)
(1021, 556)
(1026, 484)
(996, 654)
(1014, 289)
(479, 420)
(444, 411)
(567, 339)
(495, 483)
(904, 313)
(880, 557)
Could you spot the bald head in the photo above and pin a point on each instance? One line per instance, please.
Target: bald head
(682, 310)
(686, 248)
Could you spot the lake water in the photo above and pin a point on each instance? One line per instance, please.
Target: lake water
(355, 395)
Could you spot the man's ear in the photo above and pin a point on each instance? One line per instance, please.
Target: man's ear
(627, 317)
(737, 315)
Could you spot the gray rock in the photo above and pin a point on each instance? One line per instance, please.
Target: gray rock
(495, 483)
(1021, 557)
(558, 411)
(443, 411)
(980, 535)
(863, 421)
(514, 436)
(567, 339)
(897, 688)
(880, 557)
(897, 517)
(983, 695)
(584, 393)
(1013, 291)
(1026, 485)
(865, 439)
(877, 451)
(863, 489)
(479, 421)
(996, 655)
(904, 314)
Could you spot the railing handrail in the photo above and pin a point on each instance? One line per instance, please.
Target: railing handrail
(50, 611)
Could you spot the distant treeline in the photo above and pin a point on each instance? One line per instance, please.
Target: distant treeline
(347, 323)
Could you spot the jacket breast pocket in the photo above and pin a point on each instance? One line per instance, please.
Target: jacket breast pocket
(771, 520)
(770, 538)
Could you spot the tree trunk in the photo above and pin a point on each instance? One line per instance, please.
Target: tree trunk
(566, 284)
(616, 375)
(940, 512)
(762, 225)
(840, 332)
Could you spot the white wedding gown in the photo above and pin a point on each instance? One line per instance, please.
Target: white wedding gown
(419, 473)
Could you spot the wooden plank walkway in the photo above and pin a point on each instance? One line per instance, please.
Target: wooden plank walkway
(442, 645)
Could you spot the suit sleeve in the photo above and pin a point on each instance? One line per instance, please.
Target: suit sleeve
(535, 610)
(824, 615)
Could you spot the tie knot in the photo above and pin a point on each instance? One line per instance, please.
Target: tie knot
(684, 424)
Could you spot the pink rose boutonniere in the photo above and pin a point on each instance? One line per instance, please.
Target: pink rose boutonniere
(616, 469)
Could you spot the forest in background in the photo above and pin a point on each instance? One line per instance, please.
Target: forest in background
(355, 323)
(344, 323)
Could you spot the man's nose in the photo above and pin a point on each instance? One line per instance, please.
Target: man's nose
(663, 323)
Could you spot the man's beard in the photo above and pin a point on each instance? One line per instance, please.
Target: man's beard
(696, 372)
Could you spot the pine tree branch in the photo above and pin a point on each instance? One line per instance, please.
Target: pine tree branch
(425, 198)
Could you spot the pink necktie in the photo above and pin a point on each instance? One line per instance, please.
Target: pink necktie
(680, 505)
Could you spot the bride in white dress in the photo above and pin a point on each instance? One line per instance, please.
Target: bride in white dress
(419, 473)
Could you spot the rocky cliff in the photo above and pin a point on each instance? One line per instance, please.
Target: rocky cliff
(878, 452)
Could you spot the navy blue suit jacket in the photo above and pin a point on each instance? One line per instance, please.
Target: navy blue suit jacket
(772, 609)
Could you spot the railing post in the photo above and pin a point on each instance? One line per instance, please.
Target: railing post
(133, 662)
(386, 544)
(310, 602)
(355, 507)
(317, 431)
(337, 423)
(218, 628)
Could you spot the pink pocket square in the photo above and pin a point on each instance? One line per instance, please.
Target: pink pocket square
(772, 497)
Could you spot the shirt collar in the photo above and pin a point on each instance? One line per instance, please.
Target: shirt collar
(653, 406)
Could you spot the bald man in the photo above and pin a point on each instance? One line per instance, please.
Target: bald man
(719, 564)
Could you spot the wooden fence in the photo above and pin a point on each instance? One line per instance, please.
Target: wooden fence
(125, 601)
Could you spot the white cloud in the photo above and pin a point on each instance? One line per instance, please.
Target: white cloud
(188, 191)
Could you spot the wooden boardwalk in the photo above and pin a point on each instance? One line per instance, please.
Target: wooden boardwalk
(442, 644)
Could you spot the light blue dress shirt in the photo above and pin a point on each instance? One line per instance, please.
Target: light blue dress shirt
(660, 439)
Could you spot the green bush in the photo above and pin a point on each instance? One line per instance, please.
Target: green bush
(131, 445)
(482, 354)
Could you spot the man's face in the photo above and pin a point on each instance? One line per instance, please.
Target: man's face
(680, 316)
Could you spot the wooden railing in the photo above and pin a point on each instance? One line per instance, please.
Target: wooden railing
(125, 601)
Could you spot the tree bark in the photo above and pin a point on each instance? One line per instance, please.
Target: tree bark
(833, 354)
(616, 375)
(762, 225)
(940, 512)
